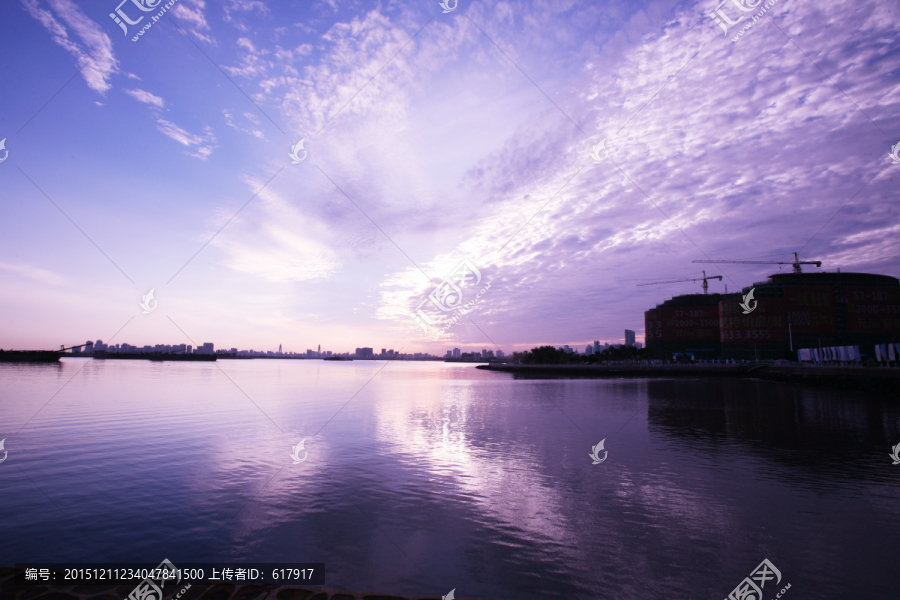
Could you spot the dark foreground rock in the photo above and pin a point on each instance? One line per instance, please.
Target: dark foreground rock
(867, 379)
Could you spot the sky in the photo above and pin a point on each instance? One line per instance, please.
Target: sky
(561, 151)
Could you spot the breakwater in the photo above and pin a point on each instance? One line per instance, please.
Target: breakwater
(869, 379)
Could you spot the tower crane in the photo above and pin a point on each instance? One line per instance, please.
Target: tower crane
(796, 262)
(703, 279)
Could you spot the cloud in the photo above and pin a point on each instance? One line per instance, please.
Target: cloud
(278, 243)
(229, 120)
(744, 149)
(193, 12)
(205, 144)
(289, 55)
(145, 97)
(34, 273)
(94, 53)
(718, 149)
(237, 6)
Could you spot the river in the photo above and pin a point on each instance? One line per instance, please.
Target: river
(418, 477)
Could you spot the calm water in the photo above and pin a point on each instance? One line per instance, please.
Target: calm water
(422, 477)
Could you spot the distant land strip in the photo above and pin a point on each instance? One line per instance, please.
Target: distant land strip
(867, 379)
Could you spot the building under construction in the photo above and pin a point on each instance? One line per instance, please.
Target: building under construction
(788, 311)
(686, 325)
(811, 310)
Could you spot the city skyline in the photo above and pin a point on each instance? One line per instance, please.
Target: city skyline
(91, 346)
(567, 153)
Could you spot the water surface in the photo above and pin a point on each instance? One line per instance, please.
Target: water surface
(423, 477)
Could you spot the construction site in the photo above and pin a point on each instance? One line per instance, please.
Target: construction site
(776, 318)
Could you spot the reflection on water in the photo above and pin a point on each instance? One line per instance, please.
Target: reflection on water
(423, 477)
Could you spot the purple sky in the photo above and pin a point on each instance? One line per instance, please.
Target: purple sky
(431, 138)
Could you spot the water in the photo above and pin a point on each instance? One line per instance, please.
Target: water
(423, 477)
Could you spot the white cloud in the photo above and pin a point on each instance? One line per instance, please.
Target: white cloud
(246, 6)
(279, 243)
(750, 147)
(203, 144)
(94, 53)
(229, 120)
(145, 97)
(34, 273)
(193, 12)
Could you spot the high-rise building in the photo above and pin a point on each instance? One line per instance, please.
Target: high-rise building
(629, 337)
(588, 349)
(279, 348)
(206, 348)
(500, 354)
(456, 353)
(449, 353)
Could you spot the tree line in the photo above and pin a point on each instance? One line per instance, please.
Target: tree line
(548, 355)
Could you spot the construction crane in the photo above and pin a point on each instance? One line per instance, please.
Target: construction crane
(703, 279)
(796, 262)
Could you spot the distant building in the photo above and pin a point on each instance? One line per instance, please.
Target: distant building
(588, 349)
(638, 345)
(789, 311)
(804, 310)
(629, 337)
(365, 353)
(596, 346)
(449, 353)
(456, 353)
(500, 354)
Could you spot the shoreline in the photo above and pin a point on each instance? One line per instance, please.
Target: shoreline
(867, 379)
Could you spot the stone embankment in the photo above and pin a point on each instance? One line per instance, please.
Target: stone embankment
(868, 379)
(222, 591)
